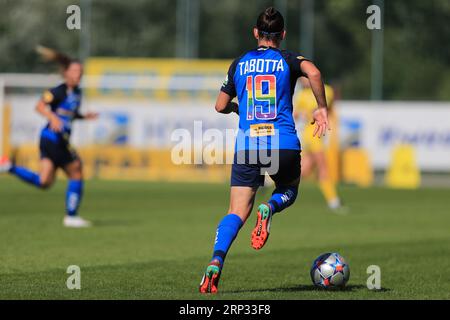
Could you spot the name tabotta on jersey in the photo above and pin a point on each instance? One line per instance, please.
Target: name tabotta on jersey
(261, 65)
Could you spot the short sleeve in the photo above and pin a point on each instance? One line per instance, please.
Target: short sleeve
(48, 96)
(53, 96)
(294, 60)
(228, 85)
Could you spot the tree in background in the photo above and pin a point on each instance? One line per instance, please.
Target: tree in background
(416, 33)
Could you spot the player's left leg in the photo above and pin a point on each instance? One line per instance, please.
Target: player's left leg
(241, 204)
(74, 194)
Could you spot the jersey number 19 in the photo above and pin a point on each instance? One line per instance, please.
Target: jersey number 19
(265, 91)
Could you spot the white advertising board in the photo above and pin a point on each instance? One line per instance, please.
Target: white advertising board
(377, 127)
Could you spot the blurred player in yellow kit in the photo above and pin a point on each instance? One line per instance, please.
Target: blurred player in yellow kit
(314, 147)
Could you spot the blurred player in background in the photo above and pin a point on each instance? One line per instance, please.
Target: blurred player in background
(314, 149)
(263, 79)
(60, 106)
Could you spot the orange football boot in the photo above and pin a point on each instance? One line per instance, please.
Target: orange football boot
(261, 231)
(210, 280)
(5, 164)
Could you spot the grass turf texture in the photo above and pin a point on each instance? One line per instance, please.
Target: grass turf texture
(153, 241)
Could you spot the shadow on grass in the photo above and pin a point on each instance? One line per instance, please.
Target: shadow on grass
(302, 288)
(114, 223)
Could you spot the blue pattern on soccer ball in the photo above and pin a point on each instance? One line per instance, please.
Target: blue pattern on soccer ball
(330, 270)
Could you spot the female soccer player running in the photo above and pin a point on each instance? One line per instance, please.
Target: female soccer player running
(263, 79)
(314, 150)
(60, 105)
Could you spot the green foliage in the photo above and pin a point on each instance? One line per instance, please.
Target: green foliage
(416, 33)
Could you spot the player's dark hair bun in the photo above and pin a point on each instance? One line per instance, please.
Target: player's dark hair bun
(270, 12)
(52, 55)
(270, 21)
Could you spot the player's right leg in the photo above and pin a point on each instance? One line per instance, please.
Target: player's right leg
(282, 197)
(326, 184)
(307, 163)
(44, 179)
(46, 176)
(5, 164)
(287, 179)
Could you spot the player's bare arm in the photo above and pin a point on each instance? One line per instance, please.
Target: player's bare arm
(88, 116)
(320, 115)
(55, 123)
(225, 105)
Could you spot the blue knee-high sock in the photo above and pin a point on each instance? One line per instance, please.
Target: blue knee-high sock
(282, 197)
(73, 196)
(26, 175)
(226, 232)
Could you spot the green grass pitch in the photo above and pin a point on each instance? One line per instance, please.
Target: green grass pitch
(153, 241)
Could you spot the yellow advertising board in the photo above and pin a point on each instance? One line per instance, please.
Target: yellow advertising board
(403, 171)
(154, 78)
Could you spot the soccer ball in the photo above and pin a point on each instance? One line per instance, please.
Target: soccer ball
(330, 270)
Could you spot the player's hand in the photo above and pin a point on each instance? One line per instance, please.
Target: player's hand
(91, 115)
(236, 109)
(56, 124)
(320, 118)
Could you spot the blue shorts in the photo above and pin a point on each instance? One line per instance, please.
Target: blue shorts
(60, 152)
(249, 167)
